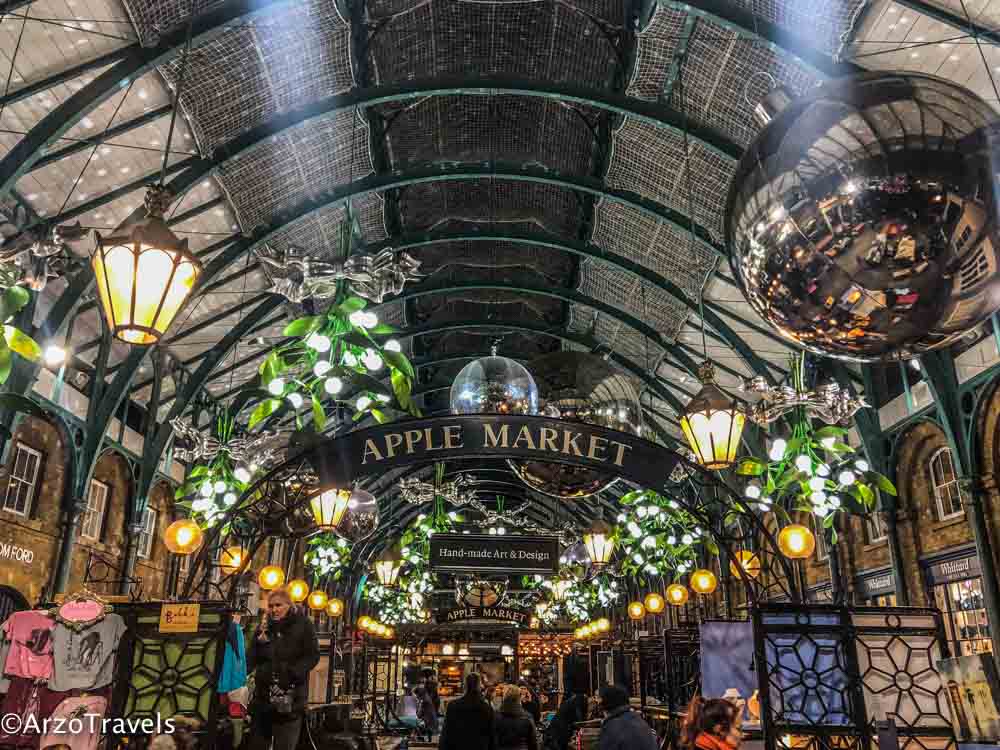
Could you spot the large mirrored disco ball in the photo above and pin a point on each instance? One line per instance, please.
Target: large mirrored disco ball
(862, 222)
(494, 385)
(361, 517)
(576, 559)
(579, 387)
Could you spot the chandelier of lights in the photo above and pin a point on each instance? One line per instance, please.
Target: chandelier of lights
(252, 449)
(298, 276)
(828, 402)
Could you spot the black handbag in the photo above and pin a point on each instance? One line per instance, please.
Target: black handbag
(281, 700)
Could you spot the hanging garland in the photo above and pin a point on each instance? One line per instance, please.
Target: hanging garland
(329, 556)
(657, 537)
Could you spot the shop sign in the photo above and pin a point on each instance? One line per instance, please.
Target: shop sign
(179, 618)
(9, 551)
(876, 584)
(484, 552)
(495, 614)
(377, 449)
(954, 570)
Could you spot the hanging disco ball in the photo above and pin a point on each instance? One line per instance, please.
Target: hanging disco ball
(576, 559)
(862, 222)
(494, 385)
(579, 387)
(361, 517)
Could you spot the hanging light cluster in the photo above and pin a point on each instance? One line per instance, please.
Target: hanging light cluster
(594, 629)
(375, 628)
(539, 647)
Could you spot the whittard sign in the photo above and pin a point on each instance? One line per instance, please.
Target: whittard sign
(482, 552)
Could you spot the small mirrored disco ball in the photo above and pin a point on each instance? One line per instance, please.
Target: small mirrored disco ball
(494, 385)
(361, 517)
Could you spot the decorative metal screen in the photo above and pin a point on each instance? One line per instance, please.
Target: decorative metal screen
(828, 673)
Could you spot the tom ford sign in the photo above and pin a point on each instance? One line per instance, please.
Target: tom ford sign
(377, 449)
(497, 614)
(482, 552)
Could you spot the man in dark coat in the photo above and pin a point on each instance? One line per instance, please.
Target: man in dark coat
(283, 652)
(623, 728)
(468, 721)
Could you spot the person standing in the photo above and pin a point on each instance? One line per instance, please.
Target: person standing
(426, 711)
(283, 652)
(468, 721)
(713, 724)
(514, 728)
(622, 728)
(560, 730)
(529, 700)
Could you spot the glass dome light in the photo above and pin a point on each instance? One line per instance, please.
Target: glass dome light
(317, 600)
(183, 537)
(600, 543)
(704, 582)
(298, 590)
(636, 610)
(233, 559)
(748, 561)
(713, 423)
(271, 577)
(677, 594)
(653, 603)
(796, 542)
(335, 607)
(144, 276)
(388, 565)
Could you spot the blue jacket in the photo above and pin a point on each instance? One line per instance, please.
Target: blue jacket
(624, 729)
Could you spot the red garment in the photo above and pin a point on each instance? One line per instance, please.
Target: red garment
(26, 699)
(706, 741)
(30, 636)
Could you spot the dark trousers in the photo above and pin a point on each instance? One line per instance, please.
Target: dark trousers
(266, 726)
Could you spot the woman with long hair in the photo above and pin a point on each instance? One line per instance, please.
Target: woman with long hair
(712, 724)
(514, 728)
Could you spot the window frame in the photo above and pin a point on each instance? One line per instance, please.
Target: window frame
(874, 520)
(104, 510)
(822, 550)
(29, 501)
(939, 489)
(146, 534)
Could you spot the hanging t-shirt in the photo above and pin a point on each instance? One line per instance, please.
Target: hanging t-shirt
(81, 728)
(86, 660)
(234, 661)
(30, 636)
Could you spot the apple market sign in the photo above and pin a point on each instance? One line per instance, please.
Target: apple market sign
(515, 615)
(377, 449)
(495, 554)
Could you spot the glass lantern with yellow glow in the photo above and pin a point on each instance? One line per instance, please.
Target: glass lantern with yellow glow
(388, 565)
(144, 276)
(599, 542)
(298, 590)
(713, 423)
(271, 577)
(746, 560)
(233, 559)
(704, 582)
(328, 508)
(335, 607)
(317, 600)
(603, 625)
(677, 594)
(183, 537)
(653, 603)
(636, 610)
(561, 585)
(796, 542)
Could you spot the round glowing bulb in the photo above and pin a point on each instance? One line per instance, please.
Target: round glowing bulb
(363, 403)
(220, 487)
(369, 320)
(321, 368)
(271, 577)
(603, 625)
(828, 442)
(357, 318)
(752, 491)
(335, 607)
(350, 360)
(232, 559)
(229, 498)
(241, 474)
(319, 342)
(333, 385)
(364, 622)
(803, 463)
(372, 360)
(298, 590)
(677, 594)
(392, 345)
(777, 451)
(823, 470)
(653, 603)
(636, 610)
(54, 355)
(747, 561)
(796, 542)
(817, 483)
(207, 490)
(295, 399)
(318, 600)
(704, 581)
(276, 387)
(846, 477)
(861, 465)
(183, 537)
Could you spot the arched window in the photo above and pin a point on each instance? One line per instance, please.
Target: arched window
(944, 480)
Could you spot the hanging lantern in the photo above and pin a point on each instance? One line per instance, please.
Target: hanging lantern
(183, 537)
(232, 559)
(318, 600)
(335, 607)
(603, 625)
(298, 590)
(796, 542)
(271, 577)
(561, 586)
(677, 595)
(600, 543)
(653, 603)
(713, 423)
(704, 582)
(636, 610)
(746, 560)
(328, 508)
(388, 565)
(144, 276)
